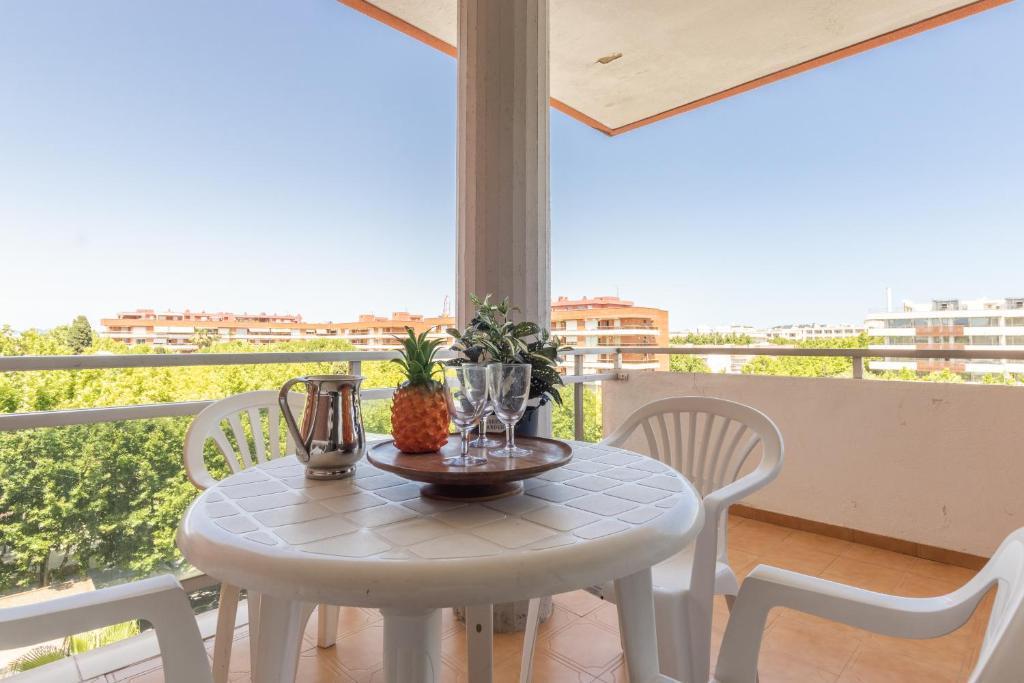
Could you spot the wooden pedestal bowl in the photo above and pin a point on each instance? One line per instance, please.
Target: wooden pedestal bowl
(497, 478)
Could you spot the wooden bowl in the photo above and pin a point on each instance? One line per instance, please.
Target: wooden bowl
(497, 478)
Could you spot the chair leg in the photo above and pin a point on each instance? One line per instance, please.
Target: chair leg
(730, 600)
(225, 635)
(326, 625)
(530, 641)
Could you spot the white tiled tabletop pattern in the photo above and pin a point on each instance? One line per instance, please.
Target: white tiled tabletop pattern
(604, 491)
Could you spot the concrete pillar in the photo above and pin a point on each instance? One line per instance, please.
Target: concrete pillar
(503, 203)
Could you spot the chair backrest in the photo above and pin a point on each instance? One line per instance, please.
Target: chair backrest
(225, 422)
(708, 440)
(1002, 652)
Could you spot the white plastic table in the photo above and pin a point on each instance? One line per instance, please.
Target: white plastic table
(372, 541)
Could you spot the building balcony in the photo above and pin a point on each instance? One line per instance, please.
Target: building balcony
(905, 529)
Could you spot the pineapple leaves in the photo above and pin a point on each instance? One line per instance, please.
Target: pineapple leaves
(417, 358)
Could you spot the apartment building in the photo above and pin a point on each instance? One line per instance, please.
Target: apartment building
(602, 321)
(178, 330)
(972, 324)
(612, 322)
(814, 331)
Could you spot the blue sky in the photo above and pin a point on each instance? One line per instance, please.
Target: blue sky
(209, 154)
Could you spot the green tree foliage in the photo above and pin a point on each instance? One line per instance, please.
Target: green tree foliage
(810, 366)
(690, 363)
(204, 339)
(562, 425)
(110, 495)
(73, 645)
(687, 364)
(711, 339)
(80, 335)
(1008, 379)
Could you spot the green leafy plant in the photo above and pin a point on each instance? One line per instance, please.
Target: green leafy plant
(73, 645)
(492, 336)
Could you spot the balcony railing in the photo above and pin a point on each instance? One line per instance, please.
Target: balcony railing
(80, 416)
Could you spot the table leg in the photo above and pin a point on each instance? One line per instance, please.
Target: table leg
(253, 601)
(281, 623)
(635, 603)
(479, 642)
(412, 645)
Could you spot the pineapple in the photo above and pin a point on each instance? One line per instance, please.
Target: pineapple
(419, 413)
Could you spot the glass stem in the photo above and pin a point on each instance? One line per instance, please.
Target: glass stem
(465, 441)
(508, 437)
(481, 430)
(512, 438)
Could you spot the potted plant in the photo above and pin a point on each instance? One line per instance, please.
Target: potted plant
(493, 337)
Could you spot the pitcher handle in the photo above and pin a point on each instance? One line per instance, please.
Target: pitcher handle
(301, 449)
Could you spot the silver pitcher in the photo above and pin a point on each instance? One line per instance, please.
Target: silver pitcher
(331, 439)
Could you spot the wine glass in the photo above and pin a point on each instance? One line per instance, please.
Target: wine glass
(466, 394)
(508, 385)
(482, 439)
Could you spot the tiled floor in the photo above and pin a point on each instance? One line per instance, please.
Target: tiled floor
(580, 642)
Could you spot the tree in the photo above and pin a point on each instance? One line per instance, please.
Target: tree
(810, 366)
(80, 334)
(712, 339)
(689, 363)
(204, 339)
(562, 418)
(109, 496)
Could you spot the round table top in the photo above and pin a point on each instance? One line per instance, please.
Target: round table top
(372, 541)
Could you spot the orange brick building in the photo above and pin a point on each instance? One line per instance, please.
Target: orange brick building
(601, 321)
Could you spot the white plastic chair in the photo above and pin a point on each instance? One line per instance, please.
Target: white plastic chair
(1002, 652)
(709, 441)
(159, 600)
(266, 444)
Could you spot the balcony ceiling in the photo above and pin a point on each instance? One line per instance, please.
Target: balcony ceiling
(680, 54)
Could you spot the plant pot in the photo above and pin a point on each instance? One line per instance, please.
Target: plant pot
(510, 617)
(530, 424)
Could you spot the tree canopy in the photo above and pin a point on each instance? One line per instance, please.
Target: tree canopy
(107, 498)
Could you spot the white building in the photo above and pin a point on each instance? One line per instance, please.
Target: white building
(813, 331)
(971, 324)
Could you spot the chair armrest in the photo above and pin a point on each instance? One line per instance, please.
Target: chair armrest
(160, 600)
(718, 501)
(769, 587)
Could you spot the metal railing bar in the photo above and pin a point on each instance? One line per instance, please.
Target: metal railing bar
(577, 400)
(12, 422)
(586, 379)
(1008, 354)
(172, 360)
(169, 360)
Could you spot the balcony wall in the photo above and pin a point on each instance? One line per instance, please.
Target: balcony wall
(938, 464)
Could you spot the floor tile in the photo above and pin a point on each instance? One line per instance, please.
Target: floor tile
(874, 577)
(873, 667)
(585, 646)
(580, 603)
(798, 558)
(825, 544)
(819, 646)
(546, 669)
(884, 558)
(756, 537)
